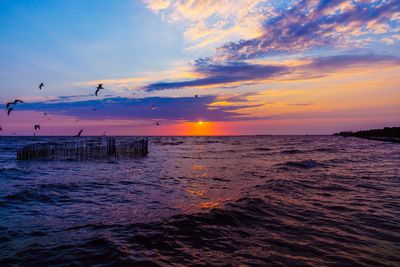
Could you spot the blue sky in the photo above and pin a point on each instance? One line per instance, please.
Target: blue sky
(258, 66)
(63, 42)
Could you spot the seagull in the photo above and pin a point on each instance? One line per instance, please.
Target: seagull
(40, 86)
(99, 88)
(16, 101)
(79, 134)
(9, 111)
(37, 126)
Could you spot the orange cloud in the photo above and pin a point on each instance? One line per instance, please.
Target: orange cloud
(211, 22)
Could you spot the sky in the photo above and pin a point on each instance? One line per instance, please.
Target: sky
(256, 66)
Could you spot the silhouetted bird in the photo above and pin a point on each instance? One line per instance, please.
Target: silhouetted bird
(45, 114)
(37, 127)
(99, 88)
(196, 96)
(16, 101)
(9, 111)
(79, 134)
(1, 129)
(40, 86)
(157, 123)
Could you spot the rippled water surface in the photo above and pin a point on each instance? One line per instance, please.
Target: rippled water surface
(264, 200)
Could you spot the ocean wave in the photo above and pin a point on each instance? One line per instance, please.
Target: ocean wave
(8, 148)
(13, 171)
(292, 151)
(204, 142)
(32, 195)
(280, 201)
(240, 233)
(304, 164)
(92, 251)
(326, 149)
(262, 149)
(171, 143)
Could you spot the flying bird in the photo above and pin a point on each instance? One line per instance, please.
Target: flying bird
(9, 111)
(1, 129)
(157, 123)
(45, 114)
(16, 101)
(99, 88)
(37, 126)
(40, 86)
(79, 134)
(196, 96)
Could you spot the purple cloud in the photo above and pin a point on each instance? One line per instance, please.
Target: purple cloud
(307, 26)
(220, 74)
(167, 108)
(342, 61)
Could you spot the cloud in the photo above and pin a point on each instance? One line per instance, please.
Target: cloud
(215, 74)
(301, 104)
(231, 73)
(308, 25)
(209, 22)
(343, 61)
(165, 108)
(269, 27)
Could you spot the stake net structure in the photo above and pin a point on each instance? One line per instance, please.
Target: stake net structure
(85, 148)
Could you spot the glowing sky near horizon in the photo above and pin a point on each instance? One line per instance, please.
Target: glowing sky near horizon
(257, 66)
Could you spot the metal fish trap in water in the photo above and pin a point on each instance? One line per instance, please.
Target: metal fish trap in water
(82, 149)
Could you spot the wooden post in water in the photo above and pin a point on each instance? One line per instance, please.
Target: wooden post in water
(85, 148)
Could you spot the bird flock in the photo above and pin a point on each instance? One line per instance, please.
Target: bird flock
(10, 108)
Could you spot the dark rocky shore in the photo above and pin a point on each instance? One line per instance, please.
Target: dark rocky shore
(388, 134)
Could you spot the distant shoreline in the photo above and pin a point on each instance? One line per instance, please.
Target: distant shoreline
(387, 134)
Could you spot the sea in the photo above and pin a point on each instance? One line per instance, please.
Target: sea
(205, 201)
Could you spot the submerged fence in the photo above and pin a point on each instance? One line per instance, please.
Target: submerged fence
(82, 149)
